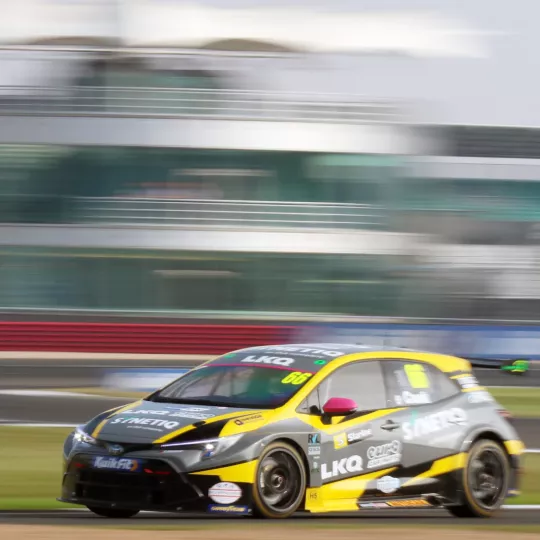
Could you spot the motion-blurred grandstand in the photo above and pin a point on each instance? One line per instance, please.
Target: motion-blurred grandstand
(188, 162)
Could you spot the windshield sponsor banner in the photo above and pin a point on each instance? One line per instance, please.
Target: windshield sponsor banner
(266, 359)
(425, 425)
(308, 352)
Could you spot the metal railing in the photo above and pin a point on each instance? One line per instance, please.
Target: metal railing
(185, 103)
(175, 212)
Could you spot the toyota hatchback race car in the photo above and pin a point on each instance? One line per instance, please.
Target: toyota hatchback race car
(272, 430)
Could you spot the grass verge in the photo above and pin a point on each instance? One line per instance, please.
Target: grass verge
(31, 470)
(521, 402)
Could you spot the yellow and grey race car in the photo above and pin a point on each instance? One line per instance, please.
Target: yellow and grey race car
(273, 430)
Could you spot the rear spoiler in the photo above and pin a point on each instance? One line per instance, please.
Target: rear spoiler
(514, 367)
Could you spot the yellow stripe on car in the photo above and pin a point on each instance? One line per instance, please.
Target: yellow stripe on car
(99, 427)
(439, 467)
(342, 496)
(241, 472)
(515, 448)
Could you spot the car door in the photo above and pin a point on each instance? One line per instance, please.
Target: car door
(428, 424)
(360, 451)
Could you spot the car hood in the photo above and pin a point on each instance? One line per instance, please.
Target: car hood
(150, 422)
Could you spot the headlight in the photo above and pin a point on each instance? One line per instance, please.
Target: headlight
(208, 447)
(81, 436)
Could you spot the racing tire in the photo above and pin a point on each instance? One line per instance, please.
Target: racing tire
(280, 482)
(484, 481)
(116, 513)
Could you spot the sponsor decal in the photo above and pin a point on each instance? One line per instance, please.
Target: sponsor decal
(274, 360)
(342, 467)
(230, 509)
(225, 493)
(314, 450)
(384, 454)
(306, 351)
(191, 412)
(296, 377)
(151, 422)
(409, 503)
(433, 423)
(340, 441)
(314, 438)
(116, 464)
(468, 381)
(410, 398)
(248, 419)
(315, 467)
(314, 495)
(187, 409)
(388, 484)
(481, 396)
(344, 439)
(371, 505)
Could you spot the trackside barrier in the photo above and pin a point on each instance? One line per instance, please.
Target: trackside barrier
(138, 338)
(473, 341)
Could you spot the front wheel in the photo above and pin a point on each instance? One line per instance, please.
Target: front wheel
(484, 481)
(280, 482)
(117, 513)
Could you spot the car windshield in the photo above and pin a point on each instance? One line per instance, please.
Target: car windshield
(234, 386)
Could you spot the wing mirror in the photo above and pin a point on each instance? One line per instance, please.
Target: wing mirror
(339, 406)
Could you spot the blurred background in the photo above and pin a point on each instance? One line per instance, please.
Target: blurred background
(256, 172)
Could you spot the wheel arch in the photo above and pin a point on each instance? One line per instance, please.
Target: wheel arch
(487, 433)
(298, 447)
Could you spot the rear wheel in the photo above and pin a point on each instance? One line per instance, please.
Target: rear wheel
(280, 482)
(117, 513)
(484, 481)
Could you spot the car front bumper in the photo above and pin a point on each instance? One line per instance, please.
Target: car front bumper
(155, 485)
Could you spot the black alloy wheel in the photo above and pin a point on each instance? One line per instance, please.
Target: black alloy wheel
(280, 482)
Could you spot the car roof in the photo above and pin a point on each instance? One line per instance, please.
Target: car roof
(314, 356)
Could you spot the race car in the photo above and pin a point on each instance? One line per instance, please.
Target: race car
(273, 430)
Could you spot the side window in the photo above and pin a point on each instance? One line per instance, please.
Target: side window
(362, 381)
(414, 383)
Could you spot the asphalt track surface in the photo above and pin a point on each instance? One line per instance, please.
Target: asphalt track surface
(433, 517)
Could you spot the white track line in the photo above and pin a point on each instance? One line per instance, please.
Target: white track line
(49, 393)
(521, 506)
(34, 424)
